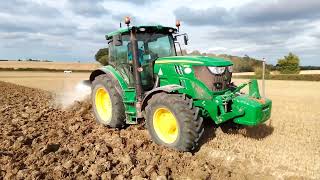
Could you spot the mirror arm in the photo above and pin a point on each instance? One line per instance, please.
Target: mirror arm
(179, 47)
(186, 38)
(184, 34)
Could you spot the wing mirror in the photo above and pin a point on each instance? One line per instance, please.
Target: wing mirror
(117, 40)
(186, 39)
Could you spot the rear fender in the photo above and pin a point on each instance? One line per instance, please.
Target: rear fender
(109, 70)
(128, 94)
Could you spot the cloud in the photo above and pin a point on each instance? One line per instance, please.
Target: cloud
(28, 8)
(212, 16)
(274, 11)
(103, 28)
(87, 8)
(11, 36)
(260, 28)
(273, 34)
(137, 2)
(256, 12)
(14, 24)
(316, 35)
(32, 32)
(14, 27)
(272, 41)
(19, 16)
(75, 29)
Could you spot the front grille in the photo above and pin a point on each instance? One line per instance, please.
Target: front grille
(213, 81)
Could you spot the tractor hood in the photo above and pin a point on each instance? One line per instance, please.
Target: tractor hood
(194, 60)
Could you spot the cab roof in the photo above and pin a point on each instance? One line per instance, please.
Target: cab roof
(147, 28)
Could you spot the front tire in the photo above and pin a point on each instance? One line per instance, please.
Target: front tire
(107, 101)
(173, 121)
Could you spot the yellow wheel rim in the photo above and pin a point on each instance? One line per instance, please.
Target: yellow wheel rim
(103, 104)
(165, 124)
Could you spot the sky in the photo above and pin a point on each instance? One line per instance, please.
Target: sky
(73, 30)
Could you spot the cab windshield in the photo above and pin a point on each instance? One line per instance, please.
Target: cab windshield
(155, 45)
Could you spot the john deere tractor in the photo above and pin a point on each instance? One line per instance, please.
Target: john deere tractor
(147, 80)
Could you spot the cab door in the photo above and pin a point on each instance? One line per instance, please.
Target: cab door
(119, 59)
(147, 63)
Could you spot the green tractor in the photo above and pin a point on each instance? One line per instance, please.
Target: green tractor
(146, 79)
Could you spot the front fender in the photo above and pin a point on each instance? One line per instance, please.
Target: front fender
(168, 89)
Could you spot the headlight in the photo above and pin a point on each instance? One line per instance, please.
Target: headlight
(142, 29)
(230, 68)
(217, 70)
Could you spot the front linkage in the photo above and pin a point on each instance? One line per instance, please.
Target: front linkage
(249, 109)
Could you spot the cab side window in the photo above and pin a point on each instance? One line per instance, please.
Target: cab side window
(119, 54)
(118, 58)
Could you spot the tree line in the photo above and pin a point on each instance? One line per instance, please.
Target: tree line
(289, 64)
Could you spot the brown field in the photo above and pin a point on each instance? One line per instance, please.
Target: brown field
(39, 139)
(50, 81)
(49, 65)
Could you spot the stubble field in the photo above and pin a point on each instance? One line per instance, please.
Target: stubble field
(41, 139)
(49, 65)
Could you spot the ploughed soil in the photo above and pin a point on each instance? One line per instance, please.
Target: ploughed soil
(40, 140)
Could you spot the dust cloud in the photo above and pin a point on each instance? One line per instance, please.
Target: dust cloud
(71, 92)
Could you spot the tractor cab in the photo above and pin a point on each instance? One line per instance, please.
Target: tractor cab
(153, 42)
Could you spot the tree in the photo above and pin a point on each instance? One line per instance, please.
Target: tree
(195, 53)
(289, 64)
(258, 71)
(102, 56)
(184, 52)
(246, 57)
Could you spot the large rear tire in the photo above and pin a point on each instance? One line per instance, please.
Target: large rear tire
(173, 121)
(107, 101)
